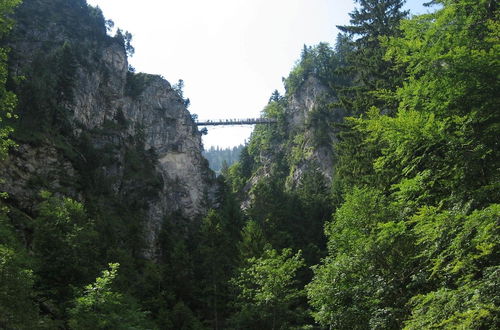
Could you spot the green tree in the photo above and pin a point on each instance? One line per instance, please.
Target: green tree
(125, 39)
(64, 245)
(253, 242)
(17, 307)
(354, 155)
(363, 282)
(217, 249)
(372, 75)
(274, 211)
(460, 256)
(445, 132)
(316, 209)
(179, 88)
(220, 159)
(8, 100)
(267, 291)
(416, 246)
(319, 61)
(179, 291)
(100, 307)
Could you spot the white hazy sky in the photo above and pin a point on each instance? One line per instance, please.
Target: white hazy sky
(231, 54)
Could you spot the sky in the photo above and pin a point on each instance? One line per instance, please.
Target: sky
(231, 54)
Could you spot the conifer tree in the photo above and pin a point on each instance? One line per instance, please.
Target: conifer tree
(371, 74)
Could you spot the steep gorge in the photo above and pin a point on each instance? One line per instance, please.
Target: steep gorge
(370, 202)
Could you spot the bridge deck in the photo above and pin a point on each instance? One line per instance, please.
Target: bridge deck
(227, 122)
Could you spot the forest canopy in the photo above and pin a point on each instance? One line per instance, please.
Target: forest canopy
(375, 208)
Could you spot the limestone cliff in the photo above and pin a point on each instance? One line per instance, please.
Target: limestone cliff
(300, 144)
(304, 115)
(87, 121)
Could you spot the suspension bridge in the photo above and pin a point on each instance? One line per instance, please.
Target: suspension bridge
(235, 122)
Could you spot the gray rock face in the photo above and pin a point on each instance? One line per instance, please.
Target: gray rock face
(302, 103)
(159, 114)
(154, 114)
(97, 92)
(308, 101)
(30, 167)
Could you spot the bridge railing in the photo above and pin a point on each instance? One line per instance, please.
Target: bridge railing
(227, 122)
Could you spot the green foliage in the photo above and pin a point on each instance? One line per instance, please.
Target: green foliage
(299, 151)
(360, 284)
(220, 159)
(431, 150)
(8, 100)
(273, 219)
(17, 308)
(100, 307)
(262, 141)
(276, 109)
(354, 156)
(452, 90)
(86, 22)
(413, 241)
(239, 172)
(45, 93)
(64, 244)
(471, 306)
(45, 84)
(356, 220)
(174, 288)
(125, 39)
(140, 167)
(315, 208)
(339, 293)
(319, 61)
(182, 317)
(7, 105)
(253, 242)
(460, 256)
(217, 252)
(371, 76)
(320, 121)
(458, 246)
(267, 291)
(417, 246)
(67, 66)
(179, 88)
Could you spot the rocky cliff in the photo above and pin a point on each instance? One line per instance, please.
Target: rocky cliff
(308, 113)
(89, 125)
(300, 144)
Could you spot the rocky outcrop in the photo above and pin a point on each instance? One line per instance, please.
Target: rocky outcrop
(306, 145)
(112, 108)
(304, 100)
(309, 98)
(28, 168)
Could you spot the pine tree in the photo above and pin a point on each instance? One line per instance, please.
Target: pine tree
(372, 75)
